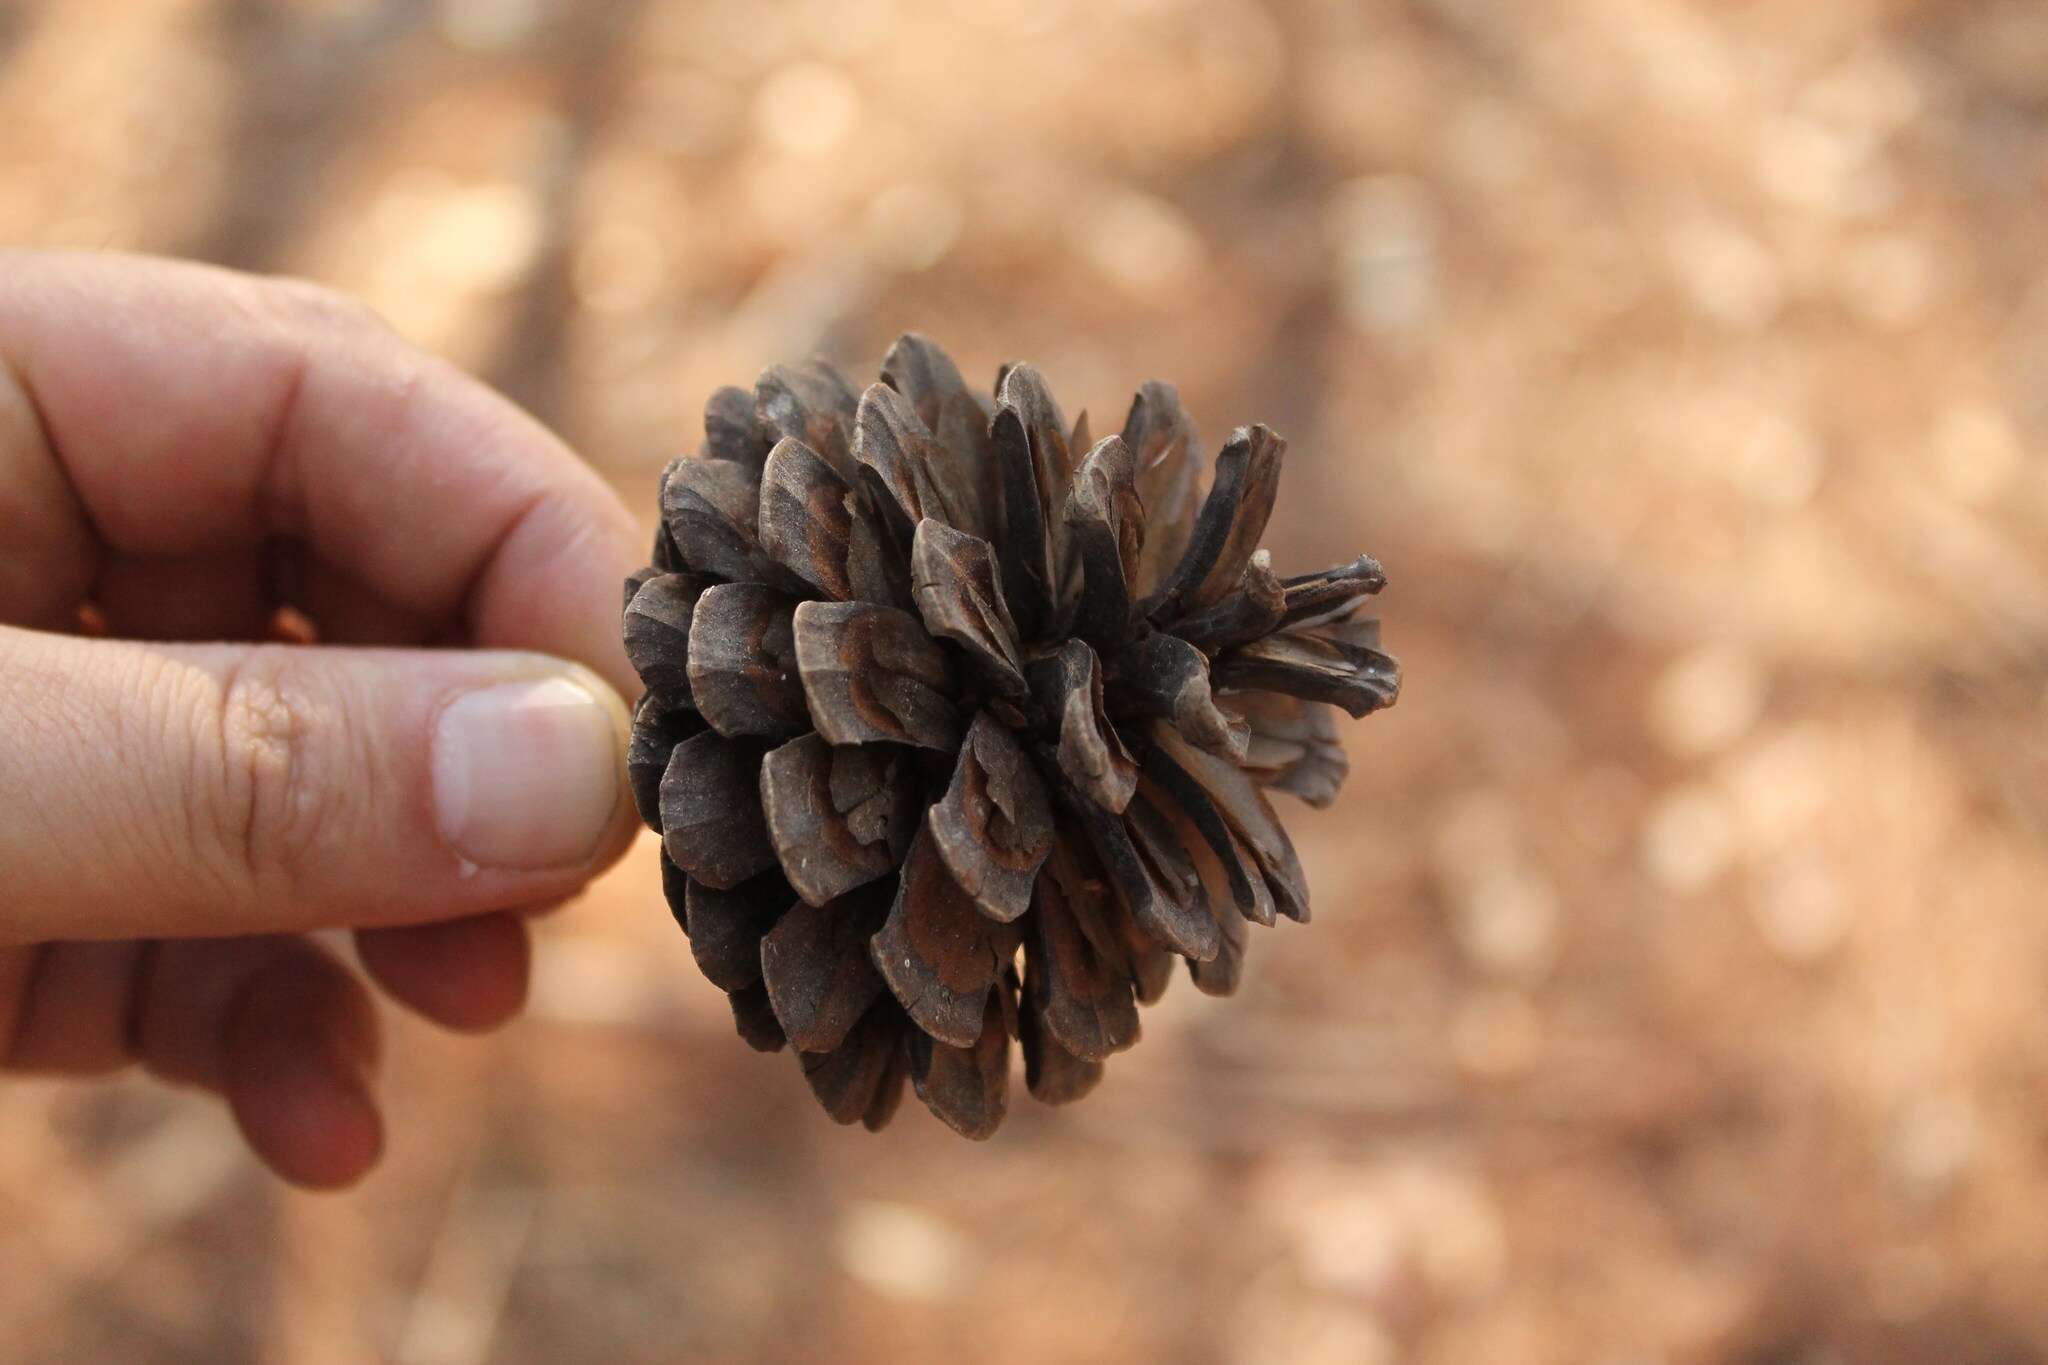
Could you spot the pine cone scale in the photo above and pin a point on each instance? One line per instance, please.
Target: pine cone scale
(871, 674)
(937, 951)
(1034, 468)
(726, 928)
(1106, 522)
(993, 827)
(959, 595)
(711, 821)
(806, 520)
(742, 662)
(1090, 754)
(838, 816)
(817, 969)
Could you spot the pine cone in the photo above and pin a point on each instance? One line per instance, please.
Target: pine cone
(922, 690)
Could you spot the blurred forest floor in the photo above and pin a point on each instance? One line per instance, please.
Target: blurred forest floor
(1678, 990)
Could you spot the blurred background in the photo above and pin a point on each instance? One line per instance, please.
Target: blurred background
(1678, 990)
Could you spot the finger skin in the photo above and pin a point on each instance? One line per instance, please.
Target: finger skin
(464, 974)
(17, 966)
(209, 1013)
(188, 991)
(298, 1051)
(173, 410)
(276, 1025)
(52, 552)
(207, 790)
(344, 612)
(220, 596)
(73, 1015)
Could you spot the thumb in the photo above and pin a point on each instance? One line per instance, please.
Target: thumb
(201, 790)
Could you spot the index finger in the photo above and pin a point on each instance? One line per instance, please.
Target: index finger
(162, 408)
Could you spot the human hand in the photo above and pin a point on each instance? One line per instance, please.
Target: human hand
(189, 449)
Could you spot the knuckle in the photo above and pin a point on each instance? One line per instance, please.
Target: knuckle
(274, 727)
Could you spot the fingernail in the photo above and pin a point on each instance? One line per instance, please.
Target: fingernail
(526, 774)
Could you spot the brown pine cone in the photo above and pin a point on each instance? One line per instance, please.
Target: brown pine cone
(923, 690)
